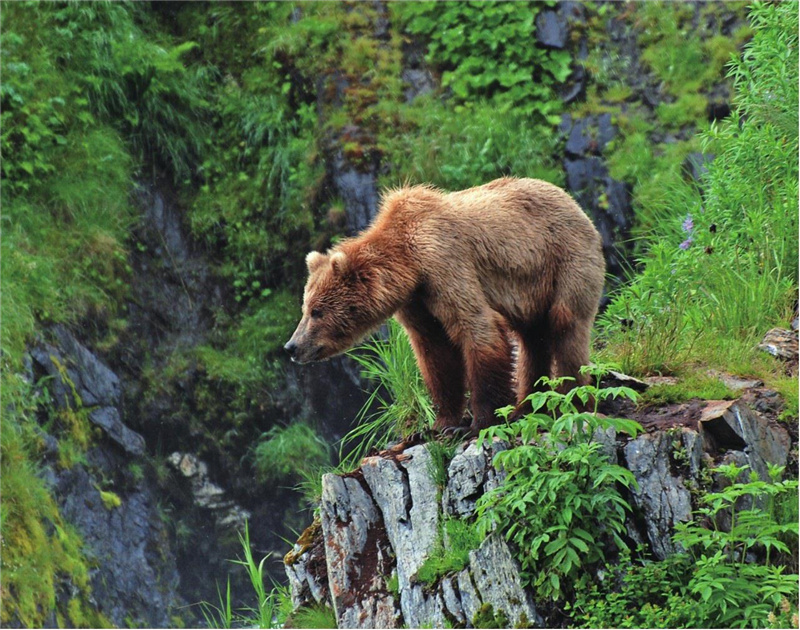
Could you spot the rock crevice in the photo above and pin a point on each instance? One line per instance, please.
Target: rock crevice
(380, 525)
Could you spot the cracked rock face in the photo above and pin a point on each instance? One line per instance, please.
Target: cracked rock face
(381, 523)
(662, 497)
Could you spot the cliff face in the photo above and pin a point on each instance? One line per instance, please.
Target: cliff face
(380, 525)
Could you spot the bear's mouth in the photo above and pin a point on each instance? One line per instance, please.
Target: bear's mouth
(315, 354)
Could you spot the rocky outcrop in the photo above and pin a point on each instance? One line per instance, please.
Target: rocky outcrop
(379, 525)
(105, 495)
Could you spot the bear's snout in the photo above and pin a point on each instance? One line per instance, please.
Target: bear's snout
(291, 347)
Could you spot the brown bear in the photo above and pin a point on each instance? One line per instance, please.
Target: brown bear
(466, 274)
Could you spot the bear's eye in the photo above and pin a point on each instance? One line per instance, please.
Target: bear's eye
(316, 313)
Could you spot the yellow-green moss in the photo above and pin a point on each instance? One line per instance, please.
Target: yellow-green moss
(111, 500)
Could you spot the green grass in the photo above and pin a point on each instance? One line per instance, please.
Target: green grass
(721, 268)
(314, 617)
(690, 385)
(458, 150)
(290, 452)
(399, 404)
(451, 553)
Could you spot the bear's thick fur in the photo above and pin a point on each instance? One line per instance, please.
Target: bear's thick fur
(465, 274)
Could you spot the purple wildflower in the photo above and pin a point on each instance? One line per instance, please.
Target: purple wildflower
(688, 224)
(686, 243)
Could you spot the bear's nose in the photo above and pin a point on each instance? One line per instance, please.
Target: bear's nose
(290, 347)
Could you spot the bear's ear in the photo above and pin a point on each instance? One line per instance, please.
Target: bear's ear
(339, 263)
(314, 260)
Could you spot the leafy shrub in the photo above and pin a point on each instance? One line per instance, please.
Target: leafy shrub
(728, 579)
(287, 452)
(560, 501)
(489, 51)
(459, 150)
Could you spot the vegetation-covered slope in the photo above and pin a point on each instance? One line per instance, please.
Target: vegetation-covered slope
(255, 116)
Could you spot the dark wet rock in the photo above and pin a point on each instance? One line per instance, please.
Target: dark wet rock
(695, 166)
(108, 419)
(358, 191)
(134, 577)
(93, 381)
(731, 425)
(606, 200)
(661, 497)
(419, 81)
(584, 176)
(589, 135)
(652, 95)
(572, 12)
(718, 110)
(75, 371)
(574, 88)
(552, 30)
(332, 392)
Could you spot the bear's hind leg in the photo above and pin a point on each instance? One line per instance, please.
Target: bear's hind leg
(534, 361)
(571, 344)
(440, 362)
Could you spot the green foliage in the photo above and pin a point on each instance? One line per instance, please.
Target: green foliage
(489, 51)
(675, 50)
(400, 400)
(715, 584)
(688, 109)
(451, 554)
(723, 263)
(39, 548)
(314, 617)
(441, 452)
(459, 150)
(690, 385)
(242, 355)
(289, 452)
(560, 503)
(487, 617)
(271, 609)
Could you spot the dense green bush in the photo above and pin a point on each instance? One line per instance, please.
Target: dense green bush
(474, 146)
(560, 502)
(733, 576)
(489, 51)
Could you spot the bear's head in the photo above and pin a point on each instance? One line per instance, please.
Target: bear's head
(342, 303)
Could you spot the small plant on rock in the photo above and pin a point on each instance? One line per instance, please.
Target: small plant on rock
(561, 500)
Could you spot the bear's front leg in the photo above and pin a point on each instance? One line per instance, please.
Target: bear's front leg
(440, 362)
(489, 376)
